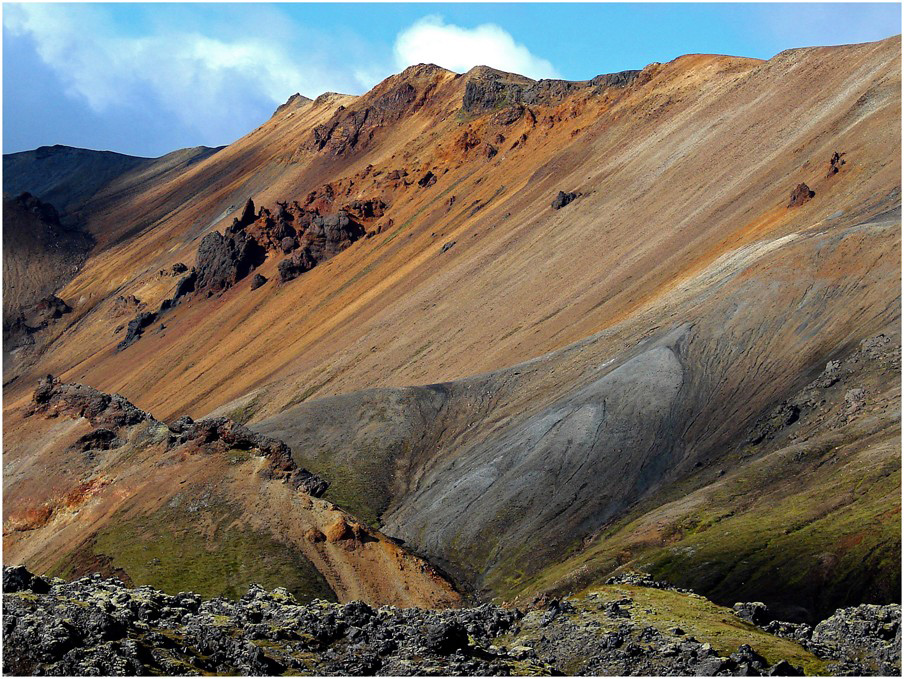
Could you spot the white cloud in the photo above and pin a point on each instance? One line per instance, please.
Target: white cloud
(206, 82)
(430, 40)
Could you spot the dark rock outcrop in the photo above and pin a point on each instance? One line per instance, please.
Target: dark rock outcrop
(223, 260)
(99, 439)
(248, 214)
(862, 640)
(53, 398)
(34, 319)
(19, 579)
(111, 413)
(620, 79)
(562, 199)
(428, 179)
(754, 612)
(800, 195)
(489, 89)
(866, 639)
(355, 126)
(835, 163)
(222, 434)
(136, 327)
(294, 266)
(257, 281)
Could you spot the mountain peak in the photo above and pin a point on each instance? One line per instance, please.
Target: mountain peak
(297, 100)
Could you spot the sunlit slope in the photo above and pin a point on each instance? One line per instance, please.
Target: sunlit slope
(693, 160)
(584, 367)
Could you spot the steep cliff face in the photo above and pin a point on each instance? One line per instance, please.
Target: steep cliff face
(604, 369)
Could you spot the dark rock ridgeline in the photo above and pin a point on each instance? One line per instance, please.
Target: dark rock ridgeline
(222, 434)
(354, 127)
(99, 626)
(111, 411)
(494, 89)
(111, 414)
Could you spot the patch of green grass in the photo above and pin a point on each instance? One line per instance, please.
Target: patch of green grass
(245, 412)
(363, 488)
(200, 546)
(711, 624)
(817, 530)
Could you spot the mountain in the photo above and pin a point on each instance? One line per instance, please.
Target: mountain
(532, 333)
(69, 178)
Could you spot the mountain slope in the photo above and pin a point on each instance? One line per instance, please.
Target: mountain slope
(590, 364)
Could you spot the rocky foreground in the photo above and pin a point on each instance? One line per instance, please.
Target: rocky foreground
(96, 626)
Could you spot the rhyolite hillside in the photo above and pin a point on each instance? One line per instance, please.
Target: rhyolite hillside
(530, 333)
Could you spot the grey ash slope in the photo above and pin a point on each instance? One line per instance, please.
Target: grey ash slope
(501, 476)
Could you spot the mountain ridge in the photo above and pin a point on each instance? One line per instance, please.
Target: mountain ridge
(584, 369)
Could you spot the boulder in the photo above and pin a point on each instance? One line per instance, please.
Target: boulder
(800, 195)
(136, 327)
(562, 199)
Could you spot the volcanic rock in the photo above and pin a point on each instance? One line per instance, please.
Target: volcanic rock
(835, 163)
(800, 195)
(53, 398)
(562, 199)
(99, 439)
(224, 434)
(257, 281)
(136, 328)
(296, 265)
(225, 260)
(753, 612)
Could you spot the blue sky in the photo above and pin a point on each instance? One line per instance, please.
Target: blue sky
(146, 79)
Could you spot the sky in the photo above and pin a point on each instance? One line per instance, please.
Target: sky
(146, 79)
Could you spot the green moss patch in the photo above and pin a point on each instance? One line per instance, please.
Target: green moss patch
(200, 545)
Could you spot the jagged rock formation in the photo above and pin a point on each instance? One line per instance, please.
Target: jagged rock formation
(53, 398)
(488, 89)
(112, 629)
(111, 413)
(861, 640)
(397, 96)
(835, 163)
(223, 260)
(224, 434)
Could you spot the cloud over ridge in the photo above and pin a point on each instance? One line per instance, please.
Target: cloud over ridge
(431, 40)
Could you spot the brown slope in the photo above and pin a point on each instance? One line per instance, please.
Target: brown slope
(682, 223)
(692, 163)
